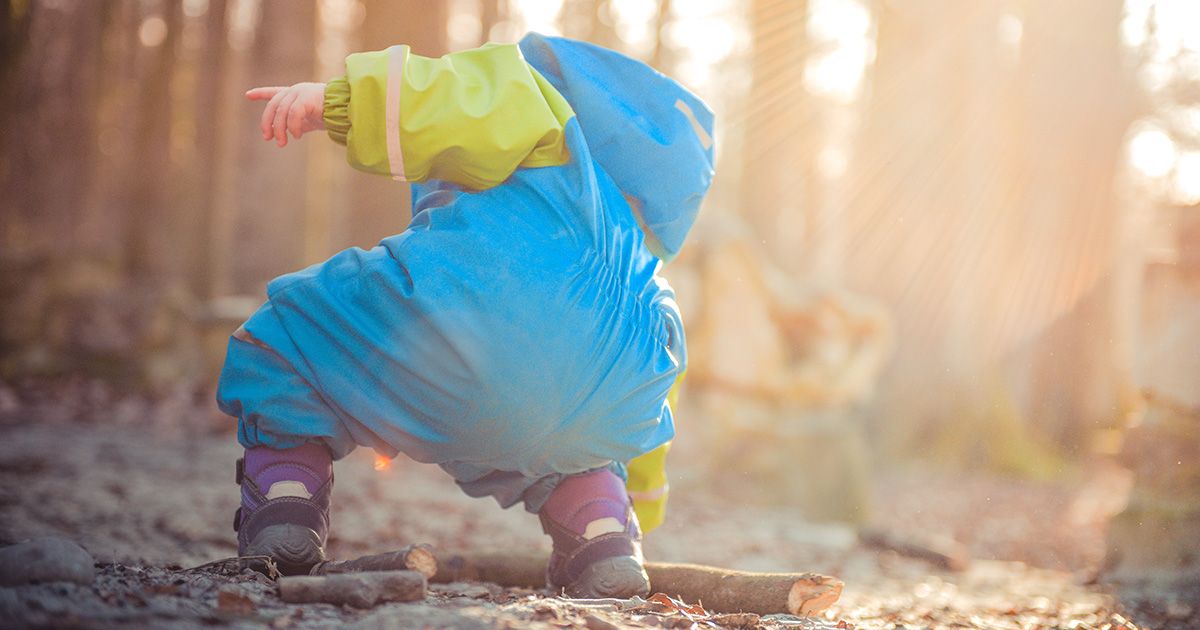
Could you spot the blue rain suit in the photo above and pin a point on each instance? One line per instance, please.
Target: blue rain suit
(512, 335)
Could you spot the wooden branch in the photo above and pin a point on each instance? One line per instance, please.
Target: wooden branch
(361, 590)
(724, 590)
(506, 568)
(720, 590)
(417, 558)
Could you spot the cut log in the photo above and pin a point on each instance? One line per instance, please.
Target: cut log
(723, 590)
(361, 590)
(720, 590)
(417, 558)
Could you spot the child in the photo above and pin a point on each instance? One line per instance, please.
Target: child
(516, 333)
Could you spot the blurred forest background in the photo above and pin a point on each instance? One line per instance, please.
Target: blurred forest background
(963, 234)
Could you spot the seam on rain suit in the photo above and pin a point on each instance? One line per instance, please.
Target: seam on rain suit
(517, 330)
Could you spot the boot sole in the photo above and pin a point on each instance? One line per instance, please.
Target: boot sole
(619, 577)
(294, 548)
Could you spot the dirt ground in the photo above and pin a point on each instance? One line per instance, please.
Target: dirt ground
(148, 490)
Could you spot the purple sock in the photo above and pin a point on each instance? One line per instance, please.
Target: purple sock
(581, 499)
(309, 464)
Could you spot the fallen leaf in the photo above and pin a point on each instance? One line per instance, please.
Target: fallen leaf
(678, 606)
(234, 602)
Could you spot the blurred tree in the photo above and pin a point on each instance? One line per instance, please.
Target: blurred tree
(988, 227)
(210, 93)
(379, 206)
(1077, 122)
(776, 153)
(660, 57)
(16, 18)
(269, 237)
(911, 211)
(150, 231)
(491, 13)
(50, 73)
(50, 78)
(590, 20)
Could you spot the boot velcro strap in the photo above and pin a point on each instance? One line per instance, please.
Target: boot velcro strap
(289, 510)
(594, 550)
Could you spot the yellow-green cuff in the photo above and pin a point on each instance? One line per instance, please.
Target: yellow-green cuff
(337, 109)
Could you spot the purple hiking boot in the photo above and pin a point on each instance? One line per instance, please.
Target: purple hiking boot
(285, 505)
(597, 542)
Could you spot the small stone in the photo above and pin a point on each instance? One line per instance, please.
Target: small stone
(45, 560)
(595, 622)
(9, 403)
(1178, 610)
(464, 589)
(11, 606)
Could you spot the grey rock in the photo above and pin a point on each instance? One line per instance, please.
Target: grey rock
(45, 560)
(10, 605)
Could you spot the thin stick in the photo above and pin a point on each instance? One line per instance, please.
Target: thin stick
(417, 558)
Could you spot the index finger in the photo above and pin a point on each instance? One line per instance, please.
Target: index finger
(264, 93)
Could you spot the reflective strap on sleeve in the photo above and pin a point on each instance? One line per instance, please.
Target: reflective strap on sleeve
(395, 82)
(370, 77)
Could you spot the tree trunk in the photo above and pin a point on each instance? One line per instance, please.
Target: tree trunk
(48, 74)
(1082, 375)
(775, 177)
(149, 170)
(269, 235)
(379, 206)
(211, 94)
(661, 58)
(50, 100)
(490, 14)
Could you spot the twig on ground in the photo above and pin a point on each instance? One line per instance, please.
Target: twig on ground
(417, 558)
(222, 566)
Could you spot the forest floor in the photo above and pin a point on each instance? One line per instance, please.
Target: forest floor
(149, 492)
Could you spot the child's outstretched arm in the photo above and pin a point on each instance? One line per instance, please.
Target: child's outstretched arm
(471, 117)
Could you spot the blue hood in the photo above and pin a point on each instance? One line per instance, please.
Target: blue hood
(650, 134)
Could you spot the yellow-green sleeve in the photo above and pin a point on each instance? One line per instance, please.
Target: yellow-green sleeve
(471, 117)
(337, 109)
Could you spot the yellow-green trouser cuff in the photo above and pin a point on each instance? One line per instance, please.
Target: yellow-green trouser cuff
(647, 486)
